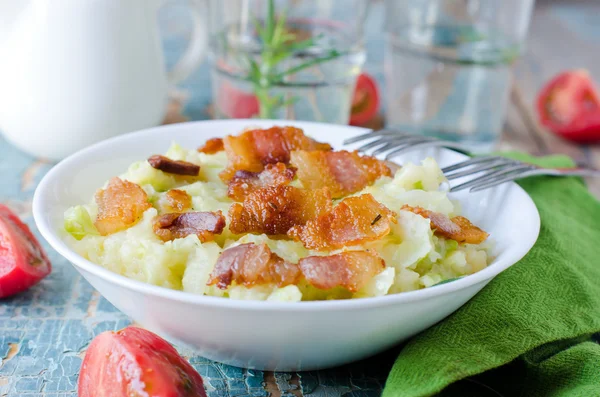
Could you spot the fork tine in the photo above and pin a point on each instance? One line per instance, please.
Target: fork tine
(477, 168)
(492, 176)
(383, 139)
(372, 134)
(389, 145)
(377, 142)
(362, 137)
(433, 142)
(474, 160)
(507, 178)
(398, 142)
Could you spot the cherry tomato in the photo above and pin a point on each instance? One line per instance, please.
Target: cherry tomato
(365, 102)
(23, 262)
(136, 362)
(569, 105)
(237, 104)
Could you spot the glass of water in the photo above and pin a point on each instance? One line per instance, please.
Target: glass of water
(293, 59)
(448, 66)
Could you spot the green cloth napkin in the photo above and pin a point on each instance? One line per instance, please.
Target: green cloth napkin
(530, 331)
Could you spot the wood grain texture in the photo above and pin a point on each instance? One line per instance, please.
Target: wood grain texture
(563, 35)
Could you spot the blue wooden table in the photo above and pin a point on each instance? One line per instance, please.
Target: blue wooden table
(44, 332)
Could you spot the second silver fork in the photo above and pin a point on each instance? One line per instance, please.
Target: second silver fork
(487, 171)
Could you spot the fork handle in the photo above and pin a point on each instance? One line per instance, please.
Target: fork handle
(578, 171)
(533, 172)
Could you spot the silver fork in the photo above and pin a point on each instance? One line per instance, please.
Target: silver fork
(487, 171)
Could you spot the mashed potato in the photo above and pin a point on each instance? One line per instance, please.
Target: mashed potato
(414, 256)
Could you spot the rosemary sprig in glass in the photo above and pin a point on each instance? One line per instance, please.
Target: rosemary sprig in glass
(278, 44)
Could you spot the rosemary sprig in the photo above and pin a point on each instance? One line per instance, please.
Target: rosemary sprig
(278, 45)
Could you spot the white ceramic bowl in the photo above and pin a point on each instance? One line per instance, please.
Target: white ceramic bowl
(275, 335)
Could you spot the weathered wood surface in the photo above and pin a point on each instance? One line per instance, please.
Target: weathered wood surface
(564, 34)
(45, 331)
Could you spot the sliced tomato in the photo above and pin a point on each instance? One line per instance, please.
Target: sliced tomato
(23, 262)
(237, 104)
(365, 102)
(136, 362)
(569, 105)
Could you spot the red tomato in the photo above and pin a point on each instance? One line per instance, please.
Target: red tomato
(237, 104)
(365, 102)
(23, 262)
(136, 362)
(569, 105)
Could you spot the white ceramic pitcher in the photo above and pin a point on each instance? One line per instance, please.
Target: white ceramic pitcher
(74, 72)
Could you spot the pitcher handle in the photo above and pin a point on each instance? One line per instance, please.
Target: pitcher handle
(196, 50)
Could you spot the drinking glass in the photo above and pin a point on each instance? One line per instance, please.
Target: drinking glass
(448, 66)
(293, 59)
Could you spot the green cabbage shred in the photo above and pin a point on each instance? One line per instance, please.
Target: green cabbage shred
(79, 223)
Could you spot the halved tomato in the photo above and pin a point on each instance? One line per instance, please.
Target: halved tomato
(237, 104)
(23, 262)
(365, 102)
(569, 105)
(136, 362)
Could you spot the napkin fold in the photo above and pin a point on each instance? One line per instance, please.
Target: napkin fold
(530, 331)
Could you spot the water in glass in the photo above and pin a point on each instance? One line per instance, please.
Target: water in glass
(448, 66)
(321, 92)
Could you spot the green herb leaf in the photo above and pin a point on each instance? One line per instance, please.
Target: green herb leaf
(255, 73)
(278, 45)
(270, 22)
(279, 34)
(293, 70)
(303, 45)
(259, 27)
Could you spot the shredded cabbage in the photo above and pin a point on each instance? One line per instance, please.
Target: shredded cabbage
(414, 257)
(78, 222)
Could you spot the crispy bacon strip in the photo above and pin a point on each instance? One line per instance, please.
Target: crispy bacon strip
(458, 228)
(353, 221)
(251, 264)
(253, 149)
(120, 206)
(203, 224)
(176, 167)
(343, 172)
(350, 269)
(178, 201)
(274, 210)
(245, 182)
(392, 166)
(212, 146)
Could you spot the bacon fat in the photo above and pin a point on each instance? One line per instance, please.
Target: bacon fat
(458, 228)
(342, 172)
(203, 224)
(274, 210)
